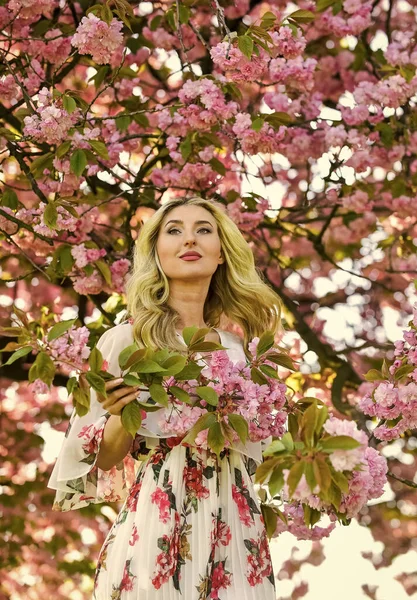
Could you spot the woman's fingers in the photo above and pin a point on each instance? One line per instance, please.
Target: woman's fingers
(113, 383)
(116, 407)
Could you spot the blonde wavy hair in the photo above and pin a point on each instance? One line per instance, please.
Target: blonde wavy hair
(236, 290)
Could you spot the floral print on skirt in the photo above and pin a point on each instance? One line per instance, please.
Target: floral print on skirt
(190, 528)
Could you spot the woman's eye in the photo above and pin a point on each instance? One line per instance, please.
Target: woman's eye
(202, 229)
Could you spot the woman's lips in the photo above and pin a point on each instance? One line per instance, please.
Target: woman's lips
(188, 258)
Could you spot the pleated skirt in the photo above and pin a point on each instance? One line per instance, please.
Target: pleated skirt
(191, 528)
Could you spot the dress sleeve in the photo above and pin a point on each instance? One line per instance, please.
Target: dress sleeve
(75, 476)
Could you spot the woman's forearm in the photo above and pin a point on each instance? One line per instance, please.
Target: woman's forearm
(115, 444)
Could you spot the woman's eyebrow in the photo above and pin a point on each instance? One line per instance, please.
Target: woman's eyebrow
(178, 221)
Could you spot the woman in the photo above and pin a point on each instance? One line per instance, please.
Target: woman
(190, 526)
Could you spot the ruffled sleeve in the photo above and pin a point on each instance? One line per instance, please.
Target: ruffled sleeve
(75, 476)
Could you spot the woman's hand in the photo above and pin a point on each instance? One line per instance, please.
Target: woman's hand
(118, 398)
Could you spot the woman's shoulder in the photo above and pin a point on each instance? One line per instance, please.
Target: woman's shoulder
(231, 338)
(118, 334)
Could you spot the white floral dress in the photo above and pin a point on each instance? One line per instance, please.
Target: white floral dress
(190, 527)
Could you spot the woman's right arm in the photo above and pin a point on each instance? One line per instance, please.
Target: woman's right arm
(116, 441)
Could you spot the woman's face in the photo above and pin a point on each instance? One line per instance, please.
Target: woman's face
(185, 229)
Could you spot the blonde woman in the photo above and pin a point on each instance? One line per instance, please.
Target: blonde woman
(190, 526)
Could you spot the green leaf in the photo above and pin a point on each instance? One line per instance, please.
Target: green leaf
(206, 347)
(281, 359)
(174, 364)
(270, 519)
(287, 440)
(338, 442)
(65, 258)
(123, 122)
(374, 375)
(208, 394)
(45, 368)
(257, 376)
(265, 468)
(18, 354)
(50, 215)
(266, 342)
(276, 119)
(104, 269)
(59, 329)
(240, 425)
(309, 475)
(276, 481)
(188, 333)
(322, 415)
(180, 394)
(95, 360)
(245, 45)
(334, 495)
(100, 76)
(403, 371)
(215, 438)
(341, 481)
(185, 14)
(204, 422)
(69, 103)
(322, 5)
(9, 199)
(78, 162)
(159, 394)
(269, 371)
(322, 474)
(257, 124)
(218, 166)
(63, 148)
(292, 425)
(302, 16)
(275, 446)
(186, 148)
(308, 424)
(131, 417)
(81, 401)
(99, 148)
(147, 366)
(294, 476)
(97, 383)
(190, 371)
(130, 353)
(131, 380)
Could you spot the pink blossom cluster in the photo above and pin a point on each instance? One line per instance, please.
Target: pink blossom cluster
(30, 10)
(83, 256)
(391, 92)
(119, 270)
(88, 284)
(68, 226)
(51, 123)
(71, 347)
(55, 47)
(245, 219)
(93, 36)
(266, 140)
(194, 176)
(9, 90)
(364, 467)
(210, 97)
(295, 73)
(263, 406)
(296, 525)
(240, 69)
(355, 18)
(392, 402)
(286, 44)
(401, 50)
